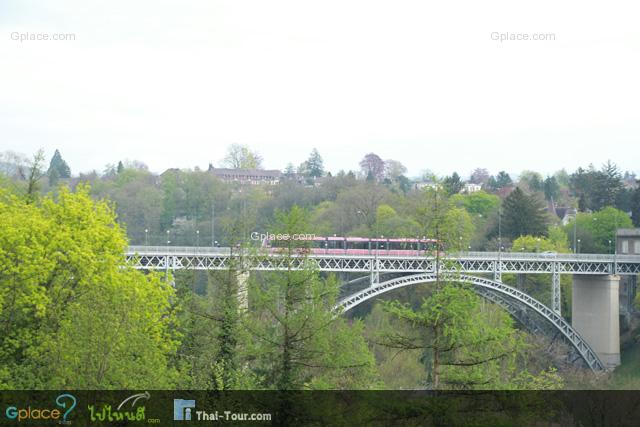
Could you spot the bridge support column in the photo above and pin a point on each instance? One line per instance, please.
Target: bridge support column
(243, 290)
(556, 297)
(595, 314)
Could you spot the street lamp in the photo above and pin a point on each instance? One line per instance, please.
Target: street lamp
(146, 237)
(197, 238)
(578, 246)
(538, 245)
(168, 241)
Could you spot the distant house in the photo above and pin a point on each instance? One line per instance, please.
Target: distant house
(470, 187)
(248, 176)
(566, 214)
(427, 184)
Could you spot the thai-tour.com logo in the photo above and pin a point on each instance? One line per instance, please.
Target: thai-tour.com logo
(185, 410)
(64, 404)
(128, 410)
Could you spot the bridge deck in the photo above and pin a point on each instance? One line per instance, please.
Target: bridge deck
(207, 258)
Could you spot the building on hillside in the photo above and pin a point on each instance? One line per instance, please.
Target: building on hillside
(565, 214)
(471, 187)
(247, 176)
(628, 241)
(427, 184)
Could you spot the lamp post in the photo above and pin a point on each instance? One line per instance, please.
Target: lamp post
(537, 245)
(197, 238)
(578, 246)
(146, 237)
(609, 246)
(168, 236)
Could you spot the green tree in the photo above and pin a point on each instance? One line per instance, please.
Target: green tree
(462, 345)
(58, 168)
(503, 180)
(551, 188)
(242, 157)
(35, 175)
(522, 215)
(597, 231)
(478, 203)
(453, 184)
(531, 180)
(299, 340)
(315, 164)
(60, 261)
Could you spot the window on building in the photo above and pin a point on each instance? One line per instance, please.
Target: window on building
(624, 246)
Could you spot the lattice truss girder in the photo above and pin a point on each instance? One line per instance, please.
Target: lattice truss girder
(572, 337)
(387, 264)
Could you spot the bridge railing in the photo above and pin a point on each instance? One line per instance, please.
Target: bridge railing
(521, 256)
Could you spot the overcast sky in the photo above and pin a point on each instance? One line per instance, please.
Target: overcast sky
(173, 83)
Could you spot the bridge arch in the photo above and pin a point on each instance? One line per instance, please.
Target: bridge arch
(575, 340)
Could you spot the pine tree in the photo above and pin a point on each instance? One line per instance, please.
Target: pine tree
(315, 164)
(523, 215)
(58, 168)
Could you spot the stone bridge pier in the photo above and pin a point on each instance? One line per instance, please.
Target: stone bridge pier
(595, 310)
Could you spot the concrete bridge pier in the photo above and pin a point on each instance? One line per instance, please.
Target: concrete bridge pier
(595, 311)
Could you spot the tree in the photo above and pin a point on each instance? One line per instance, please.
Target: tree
(315, 164)
(551, 188)
(289, 171)
(58, 168)
(453, 184)
(393, 170)
(596, 189)
(522, 215)
(503, 180)
(120, 168)
(372, 166)
(242, 157)
(299, 341)
(74, 315)
(479, 176)
(531, 180)
(597, 231)
(478, 203)
(35, 175)
(462, 345)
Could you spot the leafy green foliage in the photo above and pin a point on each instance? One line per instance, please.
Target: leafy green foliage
(463, 345)
(522, 215)
(66, 298)
(299, 341)
(597, 231)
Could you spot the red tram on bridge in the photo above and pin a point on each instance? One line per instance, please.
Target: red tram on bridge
(337, 245)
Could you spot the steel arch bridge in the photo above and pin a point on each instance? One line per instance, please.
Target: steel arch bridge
(502, 295)
(494, 263)
(169, 258)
